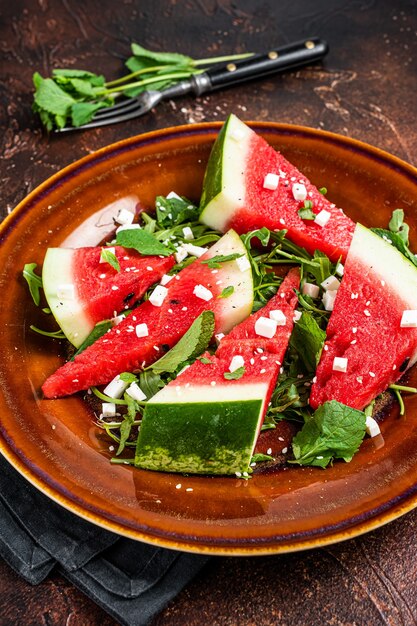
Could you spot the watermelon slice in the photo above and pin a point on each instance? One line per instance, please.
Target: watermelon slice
(365, 335)
(81, 290)
(235, 194)
(204, 423)
(150, 329)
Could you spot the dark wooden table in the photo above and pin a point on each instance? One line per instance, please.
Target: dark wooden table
(366, 89)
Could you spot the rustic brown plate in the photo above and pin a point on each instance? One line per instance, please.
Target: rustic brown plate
(55, 444)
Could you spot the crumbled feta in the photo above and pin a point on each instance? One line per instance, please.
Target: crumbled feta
(328, 300)
(117, 319)
(127, 227)
(142, 330)
(409, 319)
(165, 279)
(202, 292)
(322, 218)
(265, 327)
(66, 291)
(188, 233)
(124, 217)
(297, 316)
(172, 194)
(299, 191)
(309, 289)
(331, 284)
(197, 251)
(243, 263)
(115, 388)
(180, 254)
(372, 427)
(278, 316)
(340, 269)
(158, 295)
(218, 337)
(108, 409)
(236, 362)
(135, 392)
(340, 364)
(271, 181)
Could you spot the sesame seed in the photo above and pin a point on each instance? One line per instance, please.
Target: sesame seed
(262, 371)
(178, 486)
(367, 313)
(284, 450)
(238, 474)
(269, 451)
(372, 374)
(189, 489)
(213, 383)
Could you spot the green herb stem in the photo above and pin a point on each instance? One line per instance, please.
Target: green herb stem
(148, 81)
(231, 57)
(400, 400)
(105, 398)
(403, 388)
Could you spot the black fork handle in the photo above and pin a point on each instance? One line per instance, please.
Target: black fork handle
(260, 65)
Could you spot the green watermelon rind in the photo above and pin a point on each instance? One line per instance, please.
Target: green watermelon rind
(69, 314)
(224, 188)
(221, 435)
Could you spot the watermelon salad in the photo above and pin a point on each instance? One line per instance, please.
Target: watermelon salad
(197, 328)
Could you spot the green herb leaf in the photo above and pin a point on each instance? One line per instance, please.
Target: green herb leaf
(307, 340)
(263, 234)
(52, 98)
(128, 377)
(306, 214)
(150, 382)
(258, 458)
(227, 292)
(109, 257)
(173, 211)
(397, 225)
(397, 241)
(34, 281)
(323, 190)
(83, 112)
(127, 423)
(335, 431)
(143, 58)
(205, 360)
(216, 261)
(98, 331)
(193, 343)
(238, 373)
(142, 241)
(54, 334)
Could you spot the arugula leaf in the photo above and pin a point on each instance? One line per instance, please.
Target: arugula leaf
(126, 426)
(238, 373)
(150, 382)
(98, 331)
(128, 377)
(335, 431)
(307, 340)
(174, 211)
(34, 281)
(109, 257)
(142, 241)
(227, 292)
(193, 343)
(216, 261)
(263, 234)
(306, 214)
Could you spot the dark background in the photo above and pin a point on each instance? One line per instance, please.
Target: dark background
(366, 89)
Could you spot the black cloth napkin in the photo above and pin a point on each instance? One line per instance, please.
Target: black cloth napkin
(130, 580)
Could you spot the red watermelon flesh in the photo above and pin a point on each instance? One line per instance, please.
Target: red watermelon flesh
(121, 349)
(205, 423)
(237, 199)
(365, 325)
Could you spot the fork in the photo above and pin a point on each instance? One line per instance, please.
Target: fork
(221, 75)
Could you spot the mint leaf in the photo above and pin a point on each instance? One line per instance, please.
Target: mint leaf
(109, 257)
(52, 98)
(216, 261)
(173, 211)
(142, 241)
(307, 340)
(193, 343)
(34, 281)
(127, 377)
(83, 112)
(397, 225)
(227, 292)
(236, 374)
(335, 431)
(143, 58)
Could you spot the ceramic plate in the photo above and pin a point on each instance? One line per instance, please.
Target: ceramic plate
(55, 444)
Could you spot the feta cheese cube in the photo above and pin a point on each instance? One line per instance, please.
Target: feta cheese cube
(340, 269)
(265, 327)
(309, 289)
(328, 300)
(271, 181)
(124, 217)
(127, 227)
(115, 388)
(165, 279)
(117, 319)
(236, 362)
(340, 364)
(299, 191)
(322, 218)
(172, 194)
(66, 291)
(331, 284)
(297, 316)
(409, 319)
(108, 409)
(218, 337)
(197, 251)
(372, 426)
(135, 392)
(188, 233)
(202, 292)
(278, 317)
(142, 330)
(180, 254)
(243, 263)
(158, 295)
